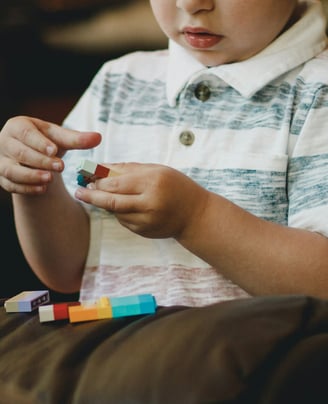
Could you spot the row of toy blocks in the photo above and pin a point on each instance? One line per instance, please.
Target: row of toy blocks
(63, 311)
(114, 307)
(105, 307)
(89, 171)
(27, 301)
(55, 312)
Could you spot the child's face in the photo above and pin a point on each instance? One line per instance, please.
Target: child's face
(223, 31)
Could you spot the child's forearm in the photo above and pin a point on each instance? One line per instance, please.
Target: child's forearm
(259, 256)
(54, 234)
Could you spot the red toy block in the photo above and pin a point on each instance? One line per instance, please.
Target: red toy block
(101, 171)
(61, 310)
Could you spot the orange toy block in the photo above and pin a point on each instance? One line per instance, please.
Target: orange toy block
(101, 310)
(82, 313)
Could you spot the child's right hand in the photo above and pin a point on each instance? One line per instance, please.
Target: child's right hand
(31, 150)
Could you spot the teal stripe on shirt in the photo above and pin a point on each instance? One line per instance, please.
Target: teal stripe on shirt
(260, 192)
(308, 188)
(272, 107)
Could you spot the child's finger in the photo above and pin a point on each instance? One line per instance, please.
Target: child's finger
(68, 139)
(116, 203)
(19, 153)
(26, 189)
(27, 133)
(18, 173)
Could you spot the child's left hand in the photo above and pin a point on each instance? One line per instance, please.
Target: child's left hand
(152, 200)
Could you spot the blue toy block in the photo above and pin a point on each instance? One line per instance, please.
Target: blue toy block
(27, 301)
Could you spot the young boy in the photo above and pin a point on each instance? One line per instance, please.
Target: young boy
(221, 146)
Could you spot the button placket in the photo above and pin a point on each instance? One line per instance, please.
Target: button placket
(202, 92)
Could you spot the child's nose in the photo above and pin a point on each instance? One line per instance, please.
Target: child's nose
(194, 6)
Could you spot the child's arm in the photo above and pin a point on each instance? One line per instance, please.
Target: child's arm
(52, 228)
(260, 256)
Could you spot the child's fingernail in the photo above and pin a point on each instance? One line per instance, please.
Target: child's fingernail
(56, 166)
(91, 185)
(45, 177)
(50, 150)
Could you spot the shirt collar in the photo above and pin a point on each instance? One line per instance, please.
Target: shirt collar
(304, 40)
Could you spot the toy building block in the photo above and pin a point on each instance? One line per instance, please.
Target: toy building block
(88, 171)
(54, 312)
(132, 305)
(83, 313)
(104, 308)
(82, 181)
(87, 168)
(27, 301)
(147, 304)
(46, 313)
(113, 308)
(97, 311)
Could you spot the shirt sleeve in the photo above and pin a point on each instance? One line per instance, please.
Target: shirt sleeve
(308, 165)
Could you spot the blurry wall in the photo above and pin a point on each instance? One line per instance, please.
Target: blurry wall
(50, 49)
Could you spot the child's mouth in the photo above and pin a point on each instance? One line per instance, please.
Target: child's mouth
(200, 38)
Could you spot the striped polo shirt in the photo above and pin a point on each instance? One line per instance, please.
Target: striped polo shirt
(255, 132)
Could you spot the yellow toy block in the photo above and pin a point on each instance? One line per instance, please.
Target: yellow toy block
(104, 308)
(104, 312)
(103, 302)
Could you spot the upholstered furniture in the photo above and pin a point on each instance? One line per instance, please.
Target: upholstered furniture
(264, 350)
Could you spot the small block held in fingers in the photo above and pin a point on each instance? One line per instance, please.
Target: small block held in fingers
(88, 171)
(102, 171)
(87, 168)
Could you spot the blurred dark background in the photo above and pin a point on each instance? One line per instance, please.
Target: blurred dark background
(50, 50)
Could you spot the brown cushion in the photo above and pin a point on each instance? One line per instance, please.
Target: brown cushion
(260, 350)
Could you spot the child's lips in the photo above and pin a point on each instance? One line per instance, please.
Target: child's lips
(200, 38)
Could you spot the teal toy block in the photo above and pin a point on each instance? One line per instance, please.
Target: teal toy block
(133, 305)
(125, 306)
(147, 304)
(82, 181)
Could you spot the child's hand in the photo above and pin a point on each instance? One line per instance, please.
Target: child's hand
(31, 150)
(152, 200)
